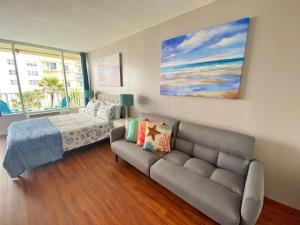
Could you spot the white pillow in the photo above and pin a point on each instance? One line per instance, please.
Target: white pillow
(117, 109)
(106, 112)
(92, 107)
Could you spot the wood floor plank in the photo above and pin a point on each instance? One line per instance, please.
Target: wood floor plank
(88, 187)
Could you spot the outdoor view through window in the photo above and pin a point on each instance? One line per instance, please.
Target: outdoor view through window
(40, 74)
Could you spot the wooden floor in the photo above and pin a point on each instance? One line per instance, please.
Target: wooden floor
(88, 187)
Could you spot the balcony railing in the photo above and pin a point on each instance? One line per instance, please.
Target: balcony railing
(39, 101)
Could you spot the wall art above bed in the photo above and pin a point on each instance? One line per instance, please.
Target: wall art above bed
(109, 71)
(207, 63)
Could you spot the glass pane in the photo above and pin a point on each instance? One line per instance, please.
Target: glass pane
(10, 101)
(74, 79)
(41, 78)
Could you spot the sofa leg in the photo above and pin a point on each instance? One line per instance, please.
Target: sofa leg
(116, 157)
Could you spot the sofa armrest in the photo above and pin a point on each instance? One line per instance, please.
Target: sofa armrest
(117, 133)
(253, 193)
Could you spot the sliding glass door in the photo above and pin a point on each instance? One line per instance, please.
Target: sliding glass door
(41, 78)
(74, 79)
(37, 79)
(10, 99)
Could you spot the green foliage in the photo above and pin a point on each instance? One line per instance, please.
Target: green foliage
(75, 97)
(51, 85)
(32, 100)
(16, 102)
(48, 86)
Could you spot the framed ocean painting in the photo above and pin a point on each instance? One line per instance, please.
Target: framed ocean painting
(207, 63)
(109, 71)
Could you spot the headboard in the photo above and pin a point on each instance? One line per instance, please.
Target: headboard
(111, 98)
(108, 98)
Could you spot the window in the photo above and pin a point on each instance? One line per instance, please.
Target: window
(31, 64)
(9, 90)
(74, 79)
(12, 72)
(13, 82)
(52, 66)
(33, 82)
(67, 68)
(41, 78)
(49, 92)
(10, 62)
(32, 73)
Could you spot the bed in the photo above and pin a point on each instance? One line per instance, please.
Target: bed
(80, 129)
(38, 141)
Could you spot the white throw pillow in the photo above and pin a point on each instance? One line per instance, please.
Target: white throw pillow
(92, 107)
(106, 112)
(117, 109)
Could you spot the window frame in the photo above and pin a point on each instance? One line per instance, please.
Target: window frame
(13, 62)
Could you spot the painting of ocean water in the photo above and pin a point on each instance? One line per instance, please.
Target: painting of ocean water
(207, 63)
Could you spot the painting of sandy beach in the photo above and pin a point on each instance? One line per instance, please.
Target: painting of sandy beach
(109, 71)
(207, 63)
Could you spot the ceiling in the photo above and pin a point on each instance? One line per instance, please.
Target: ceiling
(84, 25)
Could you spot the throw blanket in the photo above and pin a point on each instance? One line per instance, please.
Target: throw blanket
(31, 143)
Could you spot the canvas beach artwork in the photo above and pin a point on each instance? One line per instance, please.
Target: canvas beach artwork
(207, 63)
(108, 71)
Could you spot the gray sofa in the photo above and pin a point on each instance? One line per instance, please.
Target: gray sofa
(211, 169)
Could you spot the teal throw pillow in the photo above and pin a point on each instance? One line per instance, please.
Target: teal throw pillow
(132, 130)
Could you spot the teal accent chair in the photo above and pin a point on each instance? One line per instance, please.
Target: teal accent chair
(4, 108)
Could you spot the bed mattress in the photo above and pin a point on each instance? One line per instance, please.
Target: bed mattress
(80, 129)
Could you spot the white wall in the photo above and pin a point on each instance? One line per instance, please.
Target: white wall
(269, 106)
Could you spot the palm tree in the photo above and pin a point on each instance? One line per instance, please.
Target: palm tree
(51, 85)
(75, 96)
(31, 99)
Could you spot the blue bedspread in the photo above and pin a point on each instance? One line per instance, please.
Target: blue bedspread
(31, 143)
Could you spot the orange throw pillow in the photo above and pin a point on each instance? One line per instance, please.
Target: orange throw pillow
(141, 132)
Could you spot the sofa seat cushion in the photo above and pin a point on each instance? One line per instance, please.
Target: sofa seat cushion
(135, 155)
(232, 181)
(213, 199)
(177, 157)
(197, 165)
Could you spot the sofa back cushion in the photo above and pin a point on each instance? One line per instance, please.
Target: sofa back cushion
(222, 148)
(167, 121)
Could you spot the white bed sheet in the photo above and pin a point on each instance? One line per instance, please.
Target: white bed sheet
(80, 129)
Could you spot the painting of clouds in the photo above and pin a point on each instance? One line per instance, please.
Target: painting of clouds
(207, 63)
(109, 71)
